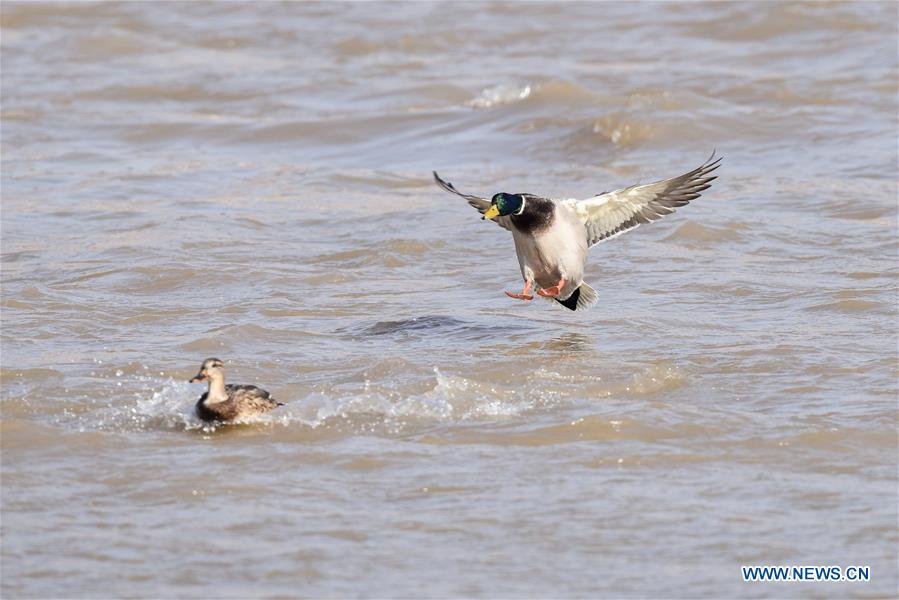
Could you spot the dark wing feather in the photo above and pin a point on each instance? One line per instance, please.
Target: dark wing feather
(481, 204)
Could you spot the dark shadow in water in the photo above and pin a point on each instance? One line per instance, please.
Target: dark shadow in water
(569, 342)
(415, 324)
(435, 325)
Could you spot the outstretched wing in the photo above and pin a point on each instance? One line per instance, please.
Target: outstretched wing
(481, 204)
(613, 213)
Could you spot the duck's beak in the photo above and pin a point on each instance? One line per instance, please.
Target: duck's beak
(491, 213)
(201, 376)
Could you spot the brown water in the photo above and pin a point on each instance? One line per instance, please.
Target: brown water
(252, 181)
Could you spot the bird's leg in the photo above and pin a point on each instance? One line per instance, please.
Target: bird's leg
(553, 291)
(524, 295)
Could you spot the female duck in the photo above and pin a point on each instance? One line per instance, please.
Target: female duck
(229, 402)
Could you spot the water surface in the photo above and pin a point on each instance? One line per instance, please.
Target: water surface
(252, 182)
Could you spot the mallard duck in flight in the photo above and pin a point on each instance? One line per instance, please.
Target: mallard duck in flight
(552, 236)
(229, 402)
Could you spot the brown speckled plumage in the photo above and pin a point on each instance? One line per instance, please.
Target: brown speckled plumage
(243, 401)
(229, 402)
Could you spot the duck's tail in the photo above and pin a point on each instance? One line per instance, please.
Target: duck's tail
(581, 299)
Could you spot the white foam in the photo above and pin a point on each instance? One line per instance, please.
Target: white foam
(500, 94)
(168, 404)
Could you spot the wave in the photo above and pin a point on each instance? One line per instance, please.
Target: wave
(500, 94)
(450, 399)
(164, 404)
(692, 232)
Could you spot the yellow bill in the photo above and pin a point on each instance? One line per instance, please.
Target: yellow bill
(492, 212)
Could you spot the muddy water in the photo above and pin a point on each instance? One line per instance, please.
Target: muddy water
(252, 181)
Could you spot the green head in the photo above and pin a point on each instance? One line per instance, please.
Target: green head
(502, 205)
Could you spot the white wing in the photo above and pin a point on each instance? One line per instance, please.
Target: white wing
(613, 213)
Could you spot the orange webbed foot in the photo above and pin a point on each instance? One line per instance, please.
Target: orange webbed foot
(520, 296)
(525, 293)
(553, 291)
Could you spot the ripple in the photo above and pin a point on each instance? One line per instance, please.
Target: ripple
(698, 233)
(852, 306)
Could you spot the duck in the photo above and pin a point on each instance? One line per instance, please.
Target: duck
(230, 402)
(552, 236)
